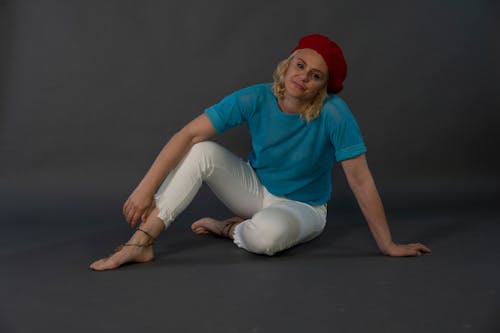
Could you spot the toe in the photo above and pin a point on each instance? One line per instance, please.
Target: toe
(200, 230)
(101, 264)
(95, 264)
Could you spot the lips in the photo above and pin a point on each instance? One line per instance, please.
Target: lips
(298, 85)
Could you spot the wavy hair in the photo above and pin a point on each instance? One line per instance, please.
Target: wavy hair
(314, 108)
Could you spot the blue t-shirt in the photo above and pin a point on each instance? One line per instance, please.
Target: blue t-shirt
(291, 157)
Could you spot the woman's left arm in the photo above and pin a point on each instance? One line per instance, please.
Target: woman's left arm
(363, 186)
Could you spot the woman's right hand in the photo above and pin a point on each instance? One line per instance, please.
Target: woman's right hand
(138, 205)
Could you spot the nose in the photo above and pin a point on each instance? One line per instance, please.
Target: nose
(304, 76)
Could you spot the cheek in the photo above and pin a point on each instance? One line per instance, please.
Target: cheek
(318, 86)
(289, 73)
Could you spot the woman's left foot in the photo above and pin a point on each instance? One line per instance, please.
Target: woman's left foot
(209, 225)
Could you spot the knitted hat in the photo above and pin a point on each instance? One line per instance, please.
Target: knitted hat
(333, 56)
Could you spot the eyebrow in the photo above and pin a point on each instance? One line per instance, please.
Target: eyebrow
(314, 69)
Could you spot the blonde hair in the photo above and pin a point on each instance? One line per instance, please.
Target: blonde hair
(314, 108)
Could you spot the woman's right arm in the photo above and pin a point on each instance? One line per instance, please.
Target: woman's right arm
(140, 201)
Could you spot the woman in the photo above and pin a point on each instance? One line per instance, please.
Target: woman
(299, 128)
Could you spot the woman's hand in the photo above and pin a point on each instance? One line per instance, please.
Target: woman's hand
(138, 205)
(405, 250)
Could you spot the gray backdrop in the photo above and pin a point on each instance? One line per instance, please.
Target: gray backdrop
(91, 90)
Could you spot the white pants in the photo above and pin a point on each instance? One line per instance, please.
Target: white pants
(273, 223)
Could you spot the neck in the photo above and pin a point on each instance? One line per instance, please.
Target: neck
(291, 105)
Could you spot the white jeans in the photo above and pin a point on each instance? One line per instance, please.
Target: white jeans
(273, 223)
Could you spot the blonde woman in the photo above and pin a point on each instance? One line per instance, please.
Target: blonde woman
(299, 127)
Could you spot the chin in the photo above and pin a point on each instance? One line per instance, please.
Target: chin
(293, 91)
(298, 95)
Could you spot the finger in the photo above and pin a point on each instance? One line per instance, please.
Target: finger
(132, 210)
(130, 216)
(128, 203)
(425, 248)
(131, 221)
(135, 218)
(144, 217)
(127, 209)
(421, 247)
(410, 253)
(126, 214)
(409, 250)
(124, 209)
(147, 212)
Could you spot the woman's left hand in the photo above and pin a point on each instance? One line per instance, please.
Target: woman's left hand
(405, 250)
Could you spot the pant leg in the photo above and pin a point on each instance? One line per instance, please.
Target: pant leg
(233, 181)
(275, 224)
(279, 226)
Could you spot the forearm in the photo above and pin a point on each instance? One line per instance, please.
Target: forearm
(373, 210)
(166, 160)
(363, 186)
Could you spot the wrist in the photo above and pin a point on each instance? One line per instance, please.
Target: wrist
(386, 247)
(145, 188)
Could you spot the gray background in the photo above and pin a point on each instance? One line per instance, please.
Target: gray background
(91, 90)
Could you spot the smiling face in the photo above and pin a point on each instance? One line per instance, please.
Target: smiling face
(307, 74)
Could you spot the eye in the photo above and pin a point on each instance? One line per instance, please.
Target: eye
(316, 76)
(300, 65)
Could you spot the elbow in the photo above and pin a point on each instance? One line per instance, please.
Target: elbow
(198, 130)
(356, 183)
(357, 180)
(185, 135)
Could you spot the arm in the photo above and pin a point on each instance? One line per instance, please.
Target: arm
(363, 186)
(140, 201)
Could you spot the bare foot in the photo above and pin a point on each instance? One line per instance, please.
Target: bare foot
(124, 255)
(139, 249)
(209, 225)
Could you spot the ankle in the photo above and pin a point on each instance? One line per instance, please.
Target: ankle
(142, 237)
(228, 230)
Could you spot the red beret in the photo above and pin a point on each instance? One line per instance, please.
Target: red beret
(333, 56)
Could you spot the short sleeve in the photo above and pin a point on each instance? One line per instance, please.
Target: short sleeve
(233, 110)
(344, 131)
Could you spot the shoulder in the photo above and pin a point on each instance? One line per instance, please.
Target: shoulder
(335, 108)
(250, 94)
(246, 100)
(260, 89)
(336, 113)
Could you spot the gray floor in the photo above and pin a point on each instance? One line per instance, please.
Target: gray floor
(336, 283)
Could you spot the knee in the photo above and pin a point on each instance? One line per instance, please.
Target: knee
(203, 154)
(204, 148)
(270, 231)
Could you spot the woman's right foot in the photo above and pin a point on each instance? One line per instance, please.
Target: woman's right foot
(138, 249)
(123, 255)
(209, 225)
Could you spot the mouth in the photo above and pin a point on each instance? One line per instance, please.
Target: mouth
(298, 85)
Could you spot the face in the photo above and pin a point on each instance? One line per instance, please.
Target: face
(307, 74)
